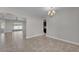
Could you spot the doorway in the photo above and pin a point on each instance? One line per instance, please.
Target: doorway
(44, 26)
(17, 30)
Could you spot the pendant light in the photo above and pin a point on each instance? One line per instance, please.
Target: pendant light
(51, 11)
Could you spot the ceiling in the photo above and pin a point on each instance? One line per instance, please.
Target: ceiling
(32, 11)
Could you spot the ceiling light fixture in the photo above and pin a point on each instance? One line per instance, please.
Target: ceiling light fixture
(51, 11)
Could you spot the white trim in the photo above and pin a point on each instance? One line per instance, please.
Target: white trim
(63, 40)
(27, 37)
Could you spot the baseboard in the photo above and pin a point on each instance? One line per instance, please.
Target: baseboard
(63, 40)
(27, 37)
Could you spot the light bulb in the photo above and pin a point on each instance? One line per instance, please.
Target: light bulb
(49, 12)
(54, 11)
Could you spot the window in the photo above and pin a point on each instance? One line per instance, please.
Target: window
(18, 26)
(2, 25)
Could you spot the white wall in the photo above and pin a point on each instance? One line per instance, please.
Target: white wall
(64, 25)
(33, 23)
(34, 26)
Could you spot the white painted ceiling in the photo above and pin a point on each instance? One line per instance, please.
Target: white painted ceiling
(25, 11)
(32, 11)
